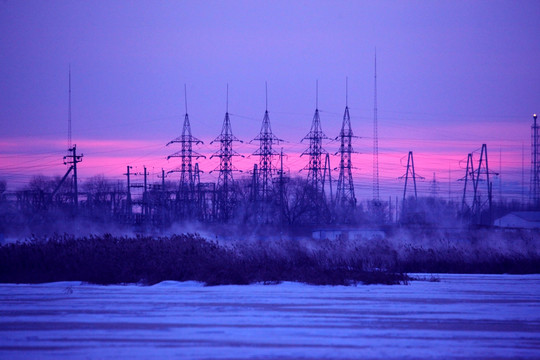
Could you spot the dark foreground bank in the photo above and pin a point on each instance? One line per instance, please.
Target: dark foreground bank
(114, 260)
(111, 259)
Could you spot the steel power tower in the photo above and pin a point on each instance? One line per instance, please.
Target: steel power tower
(265, 152)
(225, 187)
(186, 190)
(414, 176)
(316, 168)
(434, 187)
(345, 197)
(409, 207)
(535, 165)
(480, 211)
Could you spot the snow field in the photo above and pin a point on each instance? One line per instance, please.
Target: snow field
(462, 316)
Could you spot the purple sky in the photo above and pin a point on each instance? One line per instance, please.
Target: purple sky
(451, 76)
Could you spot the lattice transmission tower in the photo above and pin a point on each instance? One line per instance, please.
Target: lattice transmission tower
(226, 196)
(480, 210)
(345, 196)
(318, 167)
(187, 186)
(266, 169)
(315, 151)
(412, 173)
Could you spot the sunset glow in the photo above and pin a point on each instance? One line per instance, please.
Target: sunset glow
(441, 97)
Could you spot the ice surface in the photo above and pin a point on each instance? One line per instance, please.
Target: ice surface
(462, 316)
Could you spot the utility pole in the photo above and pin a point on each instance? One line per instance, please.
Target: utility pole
(163, 201)
(281, 189)
(522, 176)
(128, 200)
(72, 159)
(162, 180)
(449, 184)
(254, 184)
(145, 194)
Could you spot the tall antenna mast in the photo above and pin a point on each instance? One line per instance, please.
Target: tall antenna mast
(69, 110)
(522, 175)
(535, 164)
(500, 174)
(375, 140)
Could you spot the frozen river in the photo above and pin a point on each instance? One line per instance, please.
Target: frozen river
(460, 317)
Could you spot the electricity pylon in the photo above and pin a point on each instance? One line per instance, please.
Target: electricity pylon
(316, 168)
(414, 176)
(186, 191)
(345, 197)
(226, 196)
(481, 202)
(265, 152)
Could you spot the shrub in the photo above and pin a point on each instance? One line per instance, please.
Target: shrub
(147, 260)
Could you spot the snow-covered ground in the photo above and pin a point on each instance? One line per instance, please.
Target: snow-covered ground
(462, 316)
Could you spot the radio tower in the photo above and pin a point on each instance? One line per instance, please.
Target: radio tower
(72, 158)
(225, 185)
(345, 188)
(535, 165)
(69, 110)
(187, 177)
(265, 152)
(375, 141)
(315, 151)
